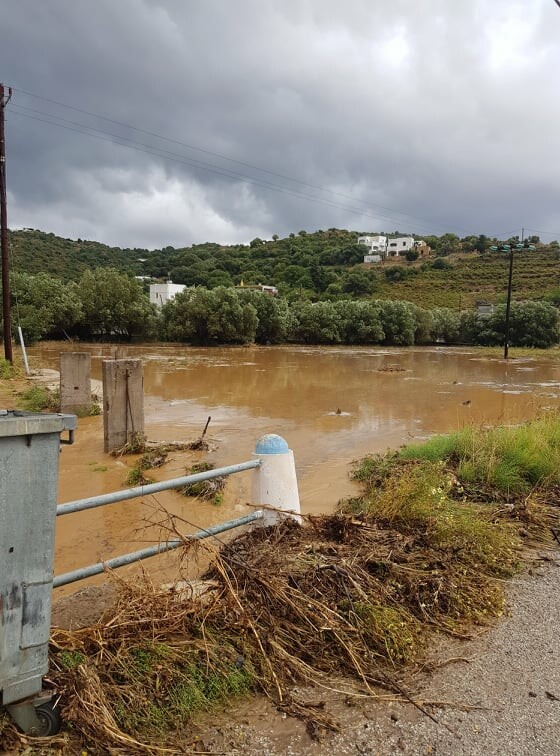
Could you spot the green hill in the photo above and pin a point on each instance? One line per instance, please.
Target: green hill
(319, 265)
(38, 252)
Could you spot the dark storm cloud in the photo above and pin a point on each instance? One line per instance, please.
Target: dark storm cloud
(444, 111)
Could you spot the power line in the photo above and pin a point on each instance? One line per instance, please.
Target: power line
(503, 234)
(423, 221)
(546, 233)
(208, 152)
(174, 157)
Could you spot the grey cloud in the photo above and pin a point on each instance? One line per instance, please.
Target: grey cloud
(445, 111)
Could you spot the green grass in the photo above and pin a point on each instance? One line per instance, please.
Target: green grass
(511, 460)
(179, 683)
(8, 371)
(39, 398)
(136, 477)
(71, 659)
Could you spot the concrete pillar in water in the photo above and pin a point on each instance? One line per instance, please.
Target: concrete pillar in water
(123, 403)
(75, 382)
(275, 482)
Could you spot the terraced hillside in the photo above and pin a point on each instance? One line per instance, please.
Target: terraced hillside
(465, 279)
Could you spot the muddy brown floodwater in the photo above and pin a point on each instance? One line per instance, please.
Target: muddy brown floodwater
(333, 405)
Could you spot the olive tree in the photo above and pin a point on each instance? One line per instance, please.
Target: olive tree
(115, 305)
(44, 306)
(210, 316)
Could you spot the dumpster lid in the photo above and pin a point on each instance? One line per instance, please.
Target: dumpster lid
(18, 423)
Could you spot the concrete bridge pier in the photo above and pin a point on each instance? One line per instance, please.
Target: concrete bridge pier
(123, 403)
(75, 383)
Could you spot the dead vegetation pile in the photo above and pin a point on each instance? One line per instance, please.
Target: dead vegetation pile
(348, 596)
(343, 595)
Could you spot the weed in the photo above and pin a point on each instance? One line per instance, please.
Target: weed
(209, 490)
(7, 370)
(390, 632)
(414, 498)
(71, 659)
(150, 459)
(136, 477)
(39, 398)
(87, 410)
(181, 684)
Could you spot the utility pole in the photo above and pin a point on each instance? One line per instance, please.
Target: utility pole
(508, 302)
(6, 316)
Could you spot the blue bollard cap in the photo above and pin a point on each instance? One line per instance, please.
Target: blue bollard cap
(271, 444)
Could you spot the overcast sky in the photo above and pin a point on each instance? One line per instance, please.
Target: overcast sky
(271, 116)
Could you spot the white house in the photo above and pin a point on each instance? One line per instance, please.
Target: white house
(400, 246)
(161, 293)
(375, 243)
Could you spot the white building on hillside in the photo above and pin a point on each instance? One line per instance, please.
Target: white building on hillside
(400, 246)
(161, 293)
(374, 243)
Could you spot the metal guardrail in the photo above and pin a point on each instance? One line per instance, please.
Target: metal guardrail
(160, 548)
(79, 505)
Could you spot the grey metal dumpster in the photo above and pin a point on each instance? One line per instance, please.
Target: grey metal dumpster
(29, 451)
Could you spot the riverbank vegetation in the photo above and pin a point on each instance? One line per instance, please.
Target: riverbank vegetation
(87, 291)
(426, 546)
(108, 305)
(323, 264)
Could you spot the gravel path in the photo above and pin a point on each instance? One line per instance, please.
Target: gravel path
(513, 675)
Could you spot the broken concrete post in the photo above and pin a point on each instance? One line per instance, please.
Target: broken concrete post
(123, 403)
(75, 383)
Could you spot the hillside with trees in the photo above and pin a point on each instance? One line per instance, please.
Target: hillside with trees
(312, 266)
(85, 290)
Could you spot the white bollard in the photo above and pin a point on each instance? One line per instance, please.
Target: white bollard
(275, 483)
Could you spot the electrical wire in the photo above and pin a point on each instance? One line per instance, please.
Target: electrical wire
(546, 233)
(173, 157)
(218, 155)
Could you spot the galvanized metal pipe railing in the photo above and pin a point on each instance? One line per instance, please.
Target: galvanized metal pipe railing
(160, 548)
(80, 505)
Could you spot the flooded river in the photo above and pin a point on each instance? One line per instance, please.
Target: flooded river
(333, 405)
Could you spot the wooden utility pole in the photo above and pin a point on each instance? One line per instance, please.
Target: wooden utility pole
(508, 301)
(6, 316)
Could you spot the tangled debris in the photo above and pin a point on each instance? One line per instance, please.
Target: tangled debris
(200, 444)
(354, 595)
(210, 490)
(342, 595)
